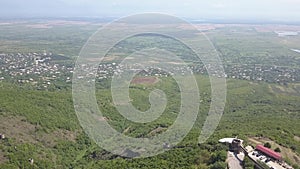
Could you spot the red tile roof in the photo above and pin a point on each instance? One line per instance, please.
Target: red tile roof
(269, 152)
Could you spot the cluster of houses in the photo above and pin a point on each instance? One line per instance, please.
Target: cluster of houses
(107, 70)
(40, 69)
(267, 73)
(34, 68)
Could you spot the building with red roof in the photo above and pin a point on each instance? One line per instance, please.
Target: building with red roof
(269, 152)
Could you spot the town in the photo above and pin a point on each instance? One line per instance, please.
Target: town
(47, 70)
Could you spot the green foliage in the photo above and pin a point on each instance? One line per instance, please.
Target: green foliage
(277, 150)
(253, 115)
(51, 110)
(296, 166)
(267, 144)
(217, 157)
(247, 163)
(252, 109)
(218, 165)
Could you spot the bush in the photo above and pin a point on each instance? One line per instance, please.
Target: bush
(277, 150)
(267, 144)
(218, 165)
(247, 163)
(293, 148)
(218, 156)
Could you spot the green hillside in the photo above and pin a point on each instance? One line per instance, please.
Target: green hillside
(42, 125)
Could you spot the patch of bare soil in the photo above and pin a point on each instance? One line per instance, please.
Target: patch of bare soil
(17, 128)
(157, 131)
(23, 132)
(3, 159)
(51, 139)
(126, 130)
(297, 138)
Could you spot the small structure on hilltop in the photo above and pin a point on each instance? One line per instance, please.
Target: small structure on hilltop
(234, 144)
(2, 136)
(235, 155)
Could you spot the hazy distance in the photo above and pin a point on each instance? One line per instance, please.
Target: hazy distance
(242, 10)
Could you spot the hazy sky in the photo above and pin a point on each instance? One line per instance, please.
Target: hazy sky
(197, 9)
